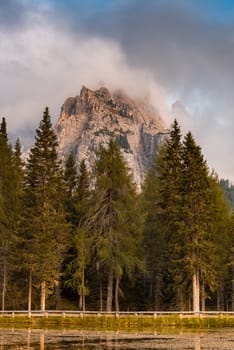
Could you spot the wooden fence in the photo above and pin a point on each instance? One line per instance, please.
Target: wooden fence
(154, 314)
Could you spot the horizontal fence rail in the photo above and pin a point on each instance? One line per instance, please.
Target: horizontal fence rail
(66, 313)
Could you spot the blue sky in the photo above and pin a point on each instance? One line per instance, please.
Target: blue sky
(213, 9)
(218, 9)
(170, 50)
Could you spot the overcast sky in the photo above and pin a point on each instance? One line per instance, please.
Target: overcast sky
(171, 50)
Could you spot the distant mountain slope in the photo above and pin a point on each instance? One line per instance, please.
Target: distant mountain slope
(228, 189)
(90, 119)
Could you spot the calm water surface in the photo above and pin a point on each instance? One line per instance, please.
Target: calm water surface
(51, 340)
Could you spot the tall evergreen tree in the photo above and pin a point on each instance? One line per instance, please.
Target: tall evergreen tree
(8, 204)
(45, 227)
(17, 214)
(231, 259)
(78, 189)
(82, 239)
(195, 235)
(162, 201)
(113, 219)
(220, 221)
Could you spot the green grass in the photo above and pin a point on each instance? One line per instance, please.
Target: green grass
(113, 322)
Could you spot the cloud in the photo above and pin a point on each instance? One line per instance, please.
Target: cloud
(41, 65)
(170, 49)
(12, 13)
(189, 52)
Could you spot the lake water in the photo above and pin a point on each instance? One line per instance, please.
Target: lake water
(94, 340)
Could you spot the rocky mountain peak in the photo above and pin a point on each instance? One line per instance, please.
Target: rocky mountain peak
(93, 117)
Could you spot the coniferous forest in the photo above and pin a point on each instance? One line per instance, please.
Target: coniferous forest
(77, 239)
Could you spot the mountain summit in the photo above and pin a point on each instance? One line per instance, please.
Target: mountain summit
(93, 117)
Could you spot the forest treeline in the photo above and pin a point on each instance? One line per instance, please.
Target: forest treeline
(86, 240)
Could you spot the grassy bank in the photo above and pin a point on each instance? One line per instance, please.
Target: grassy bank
(117, 322)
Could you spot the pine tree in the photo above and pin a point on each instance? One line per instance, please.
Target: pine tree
(163, 216)
(45, 227)
(16, 291)
(195, 235)
(154, 238)
(232, 267)
(82, 239)
(231, 258)
(113, 219)
(8, 208)
(78, 188)
(220, 221)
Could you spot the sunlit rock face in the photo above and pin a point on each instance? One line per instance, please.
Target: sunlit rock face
(93, 117)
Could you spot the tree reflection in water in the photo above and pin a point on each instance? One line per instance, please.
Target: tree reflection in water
(65, 340)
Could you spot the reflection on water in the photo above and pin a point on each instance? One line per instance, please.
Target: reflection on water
(64, 340)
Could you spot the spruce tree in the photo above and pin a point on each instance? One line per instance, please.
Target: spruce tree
(82, 239)
(196, 243)
(8, 208)
(78, 189)
(231, 258)
(113, 219)
(17, 282)
(220, 221)
(45, 227)
(162, 202)
(155, 243)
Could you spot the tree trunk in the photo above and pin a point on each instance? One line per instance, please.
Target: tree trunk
(233, 281)
(4, 284)
(4, 280)
(181, 301)
(84, 305)
(151, 279)
(100, 296)
(80, 301)
(157, 291)
(196, 292)
(57, 291)
(220, 299)
(109, 291)
(117, 294)
(30, 291)
(203, 297)
(43, 295)
(82, 291)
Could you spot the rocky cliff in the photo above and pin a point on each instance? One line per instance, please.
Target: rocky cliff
(90, 119)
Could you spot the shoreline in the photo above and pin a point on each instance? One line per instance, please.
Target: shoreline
(115, 321)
